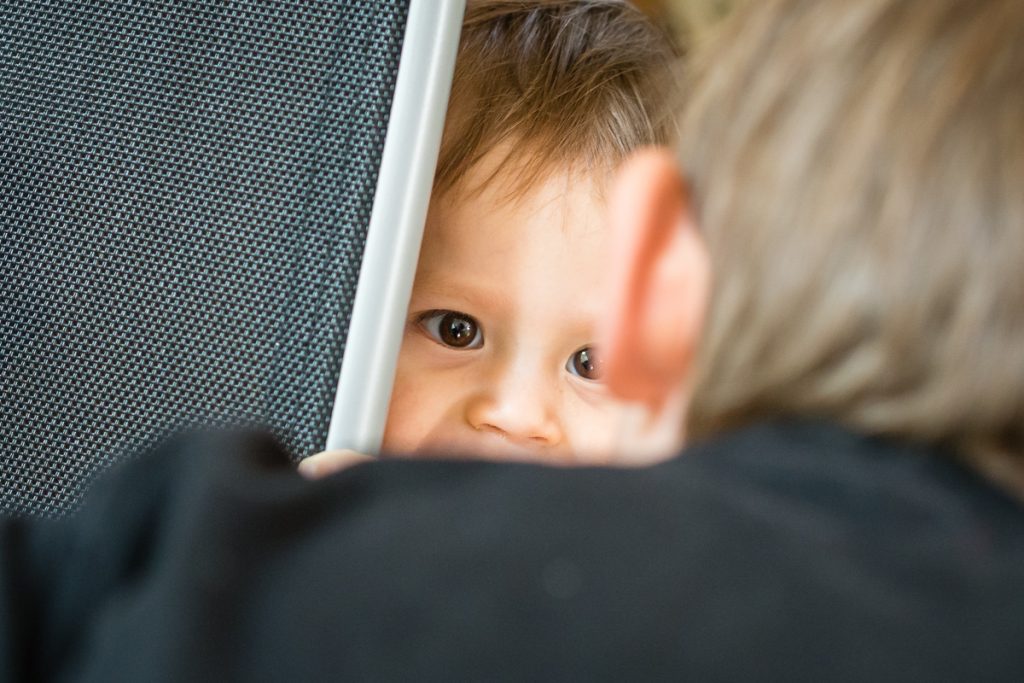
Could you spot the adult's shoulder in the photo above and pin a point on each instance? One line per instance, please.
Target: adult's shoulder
(779, 543)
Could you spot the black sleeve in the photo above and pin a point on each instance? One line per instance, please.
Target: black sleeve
(60, 578)
(17, 611)
(212, 559)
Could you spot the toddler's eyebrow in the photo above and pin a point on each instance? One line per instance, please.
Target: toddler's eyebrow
(581, 322)
(470, 291)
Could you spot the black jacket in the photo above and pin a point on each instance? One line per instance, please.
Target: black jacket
(789, 551)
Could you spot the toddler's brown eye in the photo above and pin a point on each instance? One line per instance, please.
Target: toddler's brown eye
(585, 363)
(453, 329)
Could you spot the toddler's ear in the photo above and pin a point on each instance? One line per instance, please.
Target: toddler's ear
(659, 280)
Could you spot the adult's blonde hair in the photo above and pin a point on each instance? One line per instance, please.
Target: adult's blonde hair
(858, 170)
(559, 82)
(694, 19)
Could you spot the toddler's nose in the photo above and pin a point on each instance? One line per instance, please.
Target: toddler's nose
(518, 408)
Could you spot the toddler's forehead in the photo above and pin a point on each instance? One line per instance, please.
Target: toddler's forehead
(517, 171)
(564, 200)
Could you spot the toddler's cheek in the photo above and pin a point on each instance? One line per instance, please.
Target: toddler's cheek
(644, 438)
(402, 433)
(626, 435)
(595, 436)
(410, 403)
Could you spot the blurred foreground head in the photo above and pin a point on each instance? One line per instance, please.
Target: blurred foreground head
(856, 170)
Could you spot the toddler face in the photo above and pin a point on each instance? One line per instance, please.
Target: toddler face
(498, 358)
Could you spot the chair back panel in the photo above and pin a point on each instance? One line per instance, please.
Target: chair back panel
(185, 189)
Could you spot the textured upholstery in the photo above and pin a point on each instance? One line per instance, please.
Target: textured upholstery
(185, 189)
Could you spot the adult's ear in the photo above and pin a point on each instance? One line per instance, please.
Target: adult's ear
(659, 280)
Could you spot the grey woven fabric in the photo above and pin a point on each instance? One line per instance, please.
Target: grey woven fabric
(185, 189)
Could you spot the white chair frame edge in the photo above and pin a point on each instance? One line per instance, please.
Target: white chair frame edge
(399, 212)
